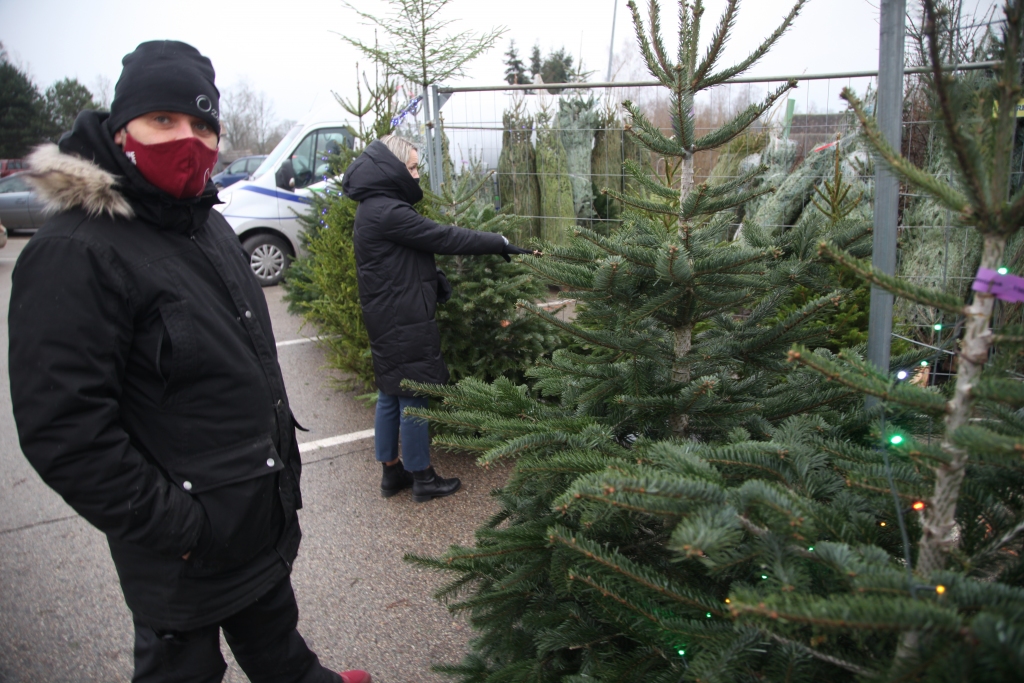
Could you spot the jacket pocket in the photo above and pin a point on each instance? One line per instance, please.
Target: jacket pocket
(237, 489)
(177, 353)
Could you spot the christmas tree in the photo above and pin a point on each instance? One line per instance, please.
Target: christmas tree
(666, 459)
(955, 601)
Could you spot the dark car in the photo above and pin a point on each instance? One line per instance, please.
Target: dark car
(20, 208)
(239, 169)
(12, 166)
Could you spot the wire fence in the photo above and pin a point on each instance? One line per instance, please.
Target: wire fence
(554, 151)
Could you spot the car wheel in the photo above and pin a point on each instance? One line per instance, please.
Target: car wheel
(269, 257)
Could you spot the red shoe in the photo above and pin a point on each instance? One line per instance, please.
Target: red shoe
(355, 676)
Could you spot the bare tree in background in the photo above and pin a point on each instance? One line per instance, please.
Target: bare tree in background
(101, 89)
(247, 120)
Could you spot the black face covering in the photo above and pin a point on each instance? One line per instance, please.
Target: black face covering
(377, 171)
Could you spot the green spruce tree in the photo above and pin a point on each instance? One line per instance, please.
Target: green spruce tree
(515, 70)
(658, 486)
(953, 590)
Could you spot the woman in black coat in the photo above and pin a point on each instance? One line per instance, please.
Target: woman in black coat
(398, 290)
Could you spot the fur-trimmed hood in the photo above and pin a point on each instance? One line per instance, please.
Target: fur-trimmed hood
(65, 181)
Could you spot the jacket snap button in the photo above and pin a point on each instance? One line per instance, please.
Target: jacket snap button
(280, 403)
(270, 462)
(248, 314)
(187, 486)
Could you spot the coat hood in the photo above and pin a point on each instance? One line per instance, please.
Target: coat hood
(378, 172)
(86, 170)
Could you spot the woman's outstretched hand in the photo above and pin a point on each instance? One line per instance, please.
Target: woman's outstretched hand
(513, 249)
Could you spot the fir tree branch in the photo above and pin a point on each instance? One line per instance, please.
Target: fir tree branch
(653, 65)
(830, 659)
(1007, 391)
(868, 381)
(922, 295)
(662, 208)
(741, 122)
(943, 192)
(718, 40)
(856, 613)
(968, 156)
(645, 180)
(649, 134)
(612, 560)
(754, 56)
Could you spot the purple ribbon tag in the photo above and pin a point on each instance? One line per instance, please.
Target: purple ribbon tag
(1003, 287)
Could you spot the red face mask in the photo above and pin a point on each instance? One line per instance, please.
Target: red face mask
(180, 168)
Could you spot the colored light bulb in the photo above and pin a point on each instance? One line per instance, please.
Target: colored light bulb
(940, 589)
(902, 374)
(924, 364)
(918, 505)
(937, 326)
(895, 439)
(1002, 271)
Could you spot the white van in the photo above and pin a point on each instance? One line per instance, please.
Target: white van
(263, 209)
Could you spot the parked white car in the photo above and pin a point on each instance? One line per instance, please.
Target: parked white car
(264, 210)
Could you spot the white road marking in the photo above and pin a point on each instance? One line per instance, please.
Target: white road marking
(292, 342)
(335, 441)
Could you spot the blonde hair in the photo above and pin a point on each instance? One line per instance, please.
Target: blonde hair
(400, 147)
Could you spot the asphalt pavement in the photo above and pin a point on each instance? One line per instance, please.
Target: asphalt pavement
(62, 616)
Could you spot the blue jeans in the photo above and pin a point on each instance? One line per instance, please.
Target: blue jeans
(390, 421)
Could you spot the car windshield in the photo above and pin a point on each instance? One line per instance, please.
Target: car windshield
(279, 151)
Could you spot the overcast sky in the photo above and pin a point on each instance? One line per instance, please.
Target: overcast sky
(292, 51)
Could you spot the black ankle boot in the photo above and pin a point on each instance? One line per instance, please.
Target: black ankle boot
(427, 485)
(395, 479)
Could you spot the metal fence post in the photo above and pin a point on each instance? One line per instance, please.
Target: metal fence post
(428, 140)
(438, 149)
(889, 114)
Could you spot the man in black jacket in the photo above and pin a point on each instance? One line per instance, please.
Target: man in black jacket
(398, 291)
(145, 381)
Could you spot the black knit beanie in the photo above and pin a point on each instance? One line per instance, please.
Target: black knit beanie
(165, 75)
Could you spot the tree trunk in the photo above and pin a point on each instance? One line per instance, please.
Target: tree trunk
(939, 516)
(684, 333)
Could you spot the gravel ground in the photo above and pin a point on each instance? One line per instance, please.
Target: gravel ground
(62, 617)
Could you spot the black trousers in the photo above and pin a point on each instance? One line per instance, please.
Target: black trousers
(262, 637)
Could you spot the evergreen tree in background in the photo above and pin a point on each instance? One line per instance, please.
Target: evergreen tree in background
(557, 67)
(64, 100)
(515, 70)
(535, 60)
(482, 334)
(23, 121)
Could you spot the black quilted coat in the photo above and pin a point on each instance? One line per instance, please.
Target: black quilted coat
(398, 279)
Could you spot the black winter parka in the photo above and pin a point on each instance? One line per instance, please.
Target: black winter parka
(146, 387)
(398, 280)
